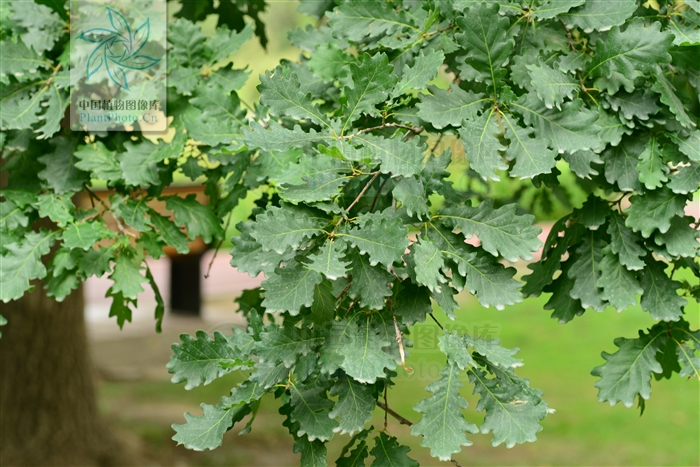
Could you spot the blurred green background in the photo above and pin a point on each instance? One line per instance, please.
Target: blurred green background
(558, 359)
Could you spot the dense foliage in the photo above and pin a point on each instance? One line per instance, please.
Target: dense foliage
(360, 230)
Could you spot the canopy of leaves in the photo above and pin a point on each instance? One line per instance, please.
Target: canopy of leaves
(364, 221)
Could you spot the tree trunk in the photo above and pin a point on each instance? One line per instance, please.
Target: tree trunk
(47, 395)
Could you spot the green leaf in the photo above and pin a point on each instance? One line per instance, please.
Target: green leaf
(491, 350)
(371, 283)
(625, 243)
(532, 156)
(199, 220)
(224, 43)
(639, 104)
(621, 164)
(311, 412)
(209, 131)
(85, 234)
(513, 409)
(60, 173)
(313, 453)
(686, 180)
(651, 168)
(660, 298)
(3, 322)
(490, 281)
(355, 404)
(627, 372)
(424, 70)
(455, 348)
(570, 129)
(21, 263)
(429, 263)
(57, 208)
(551, 8)
(501, 231)
(169, 232)
(368, 19)
(680, 239)
(388, 452)
(552, 86)
(397, 157)
(486, 38)
(622, 56)
(13, 216)
(599, 15)
(328, 61)
(323, 177)
(279, 228)
(620, 286)
(285, 344)
(372, 78)
(17, 60)
(481, 146)
(275, 137)
(410, 192)
(585, 272)
(654, 211)
(202, 359)
(667, 95)
(565, 307)
(690, 145)
(141, 163)
(205, 431)
(384, 240)
(98, 160)
(594, 212)
(127, 275)
(290, 288)
(133, 212)
(364, 357)
(329, 260)
(450, 107)
(443, 425)
(280, 91)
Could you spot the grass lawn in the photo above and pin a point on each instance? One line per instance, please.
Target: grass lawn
(558, 359)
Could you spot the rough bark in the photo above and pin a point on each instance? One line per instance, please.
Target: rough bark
(49, 414)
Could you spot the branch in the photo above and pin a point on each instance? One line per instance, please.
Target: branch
(364, 190)
(218, 247)
(415, 129)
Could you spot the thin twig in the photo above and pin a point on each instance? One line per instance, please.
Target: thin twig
(436, 143)
(436, 321)
(386, 412)
(568, 35)
(376, 196)
(218, 247)
(364, 190)
(415, 129)
(399, 340)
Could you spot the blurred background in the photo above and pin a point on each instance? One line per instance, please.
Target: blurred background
(136, 396)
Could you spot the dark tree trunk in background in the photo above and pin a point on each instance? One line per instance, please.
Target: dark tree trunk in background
(48, 409)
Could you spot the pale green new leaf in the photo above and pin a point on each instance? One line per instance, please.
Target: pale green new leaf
(98, 160)
(85, 234)
(443, 426)
(127, 275)
(57, 208)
